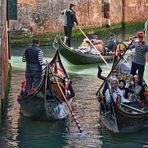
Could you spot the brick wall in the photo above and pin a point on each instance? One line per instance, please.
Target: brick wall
(43, 16)
(136, 10)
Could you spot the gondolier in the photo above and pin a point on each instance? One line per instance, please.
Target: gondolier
(49, 101)
(69, 21)
(139, 60)
(75, 56)
(112, 43)
(120, 117)
(33, 56)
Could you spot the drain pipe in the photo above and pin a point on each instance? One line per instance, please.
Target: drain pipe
(1, 82)
(123, 19)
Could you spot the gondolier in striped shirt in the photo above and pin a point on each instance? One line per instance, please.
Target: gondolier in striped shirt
(33, 56)
(139, 59)
(69, 21)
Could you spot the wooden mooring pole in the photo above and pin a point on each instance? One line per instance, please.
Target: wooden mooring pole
(1, 96)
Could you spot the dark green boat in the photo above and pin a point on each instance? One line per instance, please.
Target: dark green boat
(76, 57)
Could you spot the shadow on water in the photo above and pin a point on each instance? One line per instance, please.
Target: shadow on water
(132, 140)
(37, 134)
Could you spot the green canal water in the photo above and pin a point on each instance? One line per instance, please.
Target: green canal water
(64, 134)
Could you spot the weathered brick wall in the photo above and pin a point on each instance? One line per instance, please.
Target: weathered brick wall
(43, 16)
(116, 11)
(136, 10)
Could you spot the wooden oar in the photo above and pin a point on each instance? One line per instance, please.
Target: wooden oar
(46, 76)
(114, 65)
(94, 47)
(65, 99)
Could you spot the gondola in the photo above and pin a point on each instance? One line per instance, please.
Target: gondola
(123, 117)
(76, 57)
(52, 98)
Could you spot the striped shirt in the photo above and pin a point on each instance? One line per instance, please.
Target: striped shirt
(40, 57)
(140, 53)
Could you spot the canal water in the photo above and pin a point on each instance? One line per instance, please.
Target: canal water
(65, 134)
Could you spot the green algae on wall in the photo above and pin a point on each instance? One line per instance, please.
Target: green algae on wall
(6, 93)
(130, 27)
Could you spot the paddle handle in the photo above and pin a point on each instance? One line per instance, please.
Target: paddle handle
(69, 107)
(94, 47)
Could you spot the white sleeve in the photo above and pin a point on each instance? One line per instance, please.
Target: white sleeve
(24, 58)
(107, 96)
(40, 57)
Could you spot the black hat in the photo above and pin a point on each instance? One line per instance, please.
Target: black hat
(71, 5)
(112, 34)
(35, 41)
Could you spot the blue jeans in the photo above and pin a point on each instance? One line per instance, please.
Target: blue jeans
(33, 79)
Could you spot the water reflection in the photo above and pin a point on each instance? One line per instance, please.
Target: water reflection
(65, 133)
(86, 108)
(134, 140)
(37, 134)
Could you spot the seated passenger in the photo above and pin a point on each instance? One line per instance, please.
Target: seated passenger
(145, 92)
(121, 47)
(115, 73)
(86, 47)
(136, 87)
(95, 40)
(99, 44)
(117, 94)
(85, 43)
(144, 99)
(124, 89)
(111, 46)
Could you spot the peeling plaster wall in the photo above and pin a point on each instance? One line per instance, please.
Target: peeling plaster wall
(43, 16)
(136, 10)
